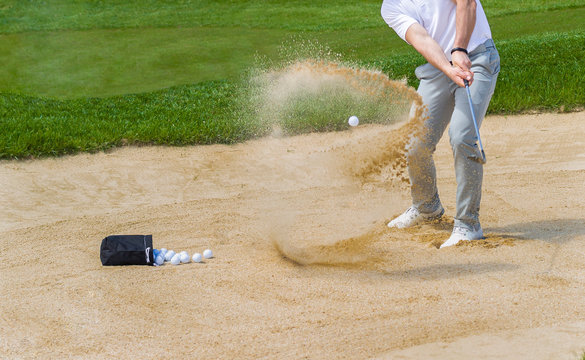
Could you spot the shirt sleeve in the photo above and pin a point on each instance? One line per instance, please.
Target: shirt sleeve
(398, 16)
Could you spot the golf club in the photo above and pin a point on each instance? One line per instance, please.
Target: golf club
(483, 159)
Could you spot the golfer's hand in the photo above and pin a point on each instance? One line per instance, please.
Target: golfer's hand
(462, 63)
(456, 74)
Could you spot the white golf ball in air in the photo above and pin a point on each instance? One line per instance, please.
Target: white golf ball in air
(207, 254)
(176, 260)
(159, 260)
(196, 257)
(184, 256)
(353, 121)
(169, 255)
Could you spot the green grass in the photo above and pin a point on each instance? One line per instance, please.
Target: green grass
(544, 73)
(211, 112)
(195, 114)
(112, 62)
(69, 65)
(300, 15)
(105, 62)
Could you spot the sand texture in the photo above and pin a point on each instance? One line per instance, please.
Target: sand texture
(304, 265)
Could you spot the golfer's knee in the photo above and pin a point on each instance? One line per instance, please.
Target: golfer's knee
(463, 144)
(419, 151)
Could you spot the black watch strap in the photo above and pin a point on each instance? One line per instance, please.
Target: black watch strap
(459, 49)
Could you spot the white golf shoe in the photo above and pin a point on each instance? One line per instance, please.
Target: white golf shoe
(412, 216)
(462, 234)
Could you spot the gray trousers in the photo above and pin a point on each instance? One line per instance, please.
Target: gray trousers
(446, 103)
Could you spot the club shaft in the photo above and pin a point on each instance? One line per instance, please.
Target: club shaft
(473, 117)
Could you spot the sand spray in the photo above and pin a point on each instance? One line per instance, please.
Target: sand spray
(319, 95)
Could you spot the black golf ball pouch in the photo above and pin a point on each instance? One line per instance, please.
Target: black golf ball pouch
(127, 250)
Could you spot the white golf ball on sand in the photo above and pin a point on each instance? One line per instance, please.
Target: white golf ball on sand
(196, 257)
(207, 254)
(184, 256)
(353, 121)
(176, 260)
(159, 260)
(169, 255)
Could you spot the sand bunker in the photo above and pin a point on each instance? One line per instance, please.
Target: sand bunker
(364, 291)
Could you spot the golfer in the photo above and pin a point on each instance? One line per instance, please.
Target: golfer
(455, 38)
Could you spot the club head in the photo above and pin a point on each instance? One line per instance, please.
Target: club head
(482, 160)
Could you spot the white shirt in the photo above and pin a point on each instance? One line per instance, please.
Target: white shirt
(437, 17)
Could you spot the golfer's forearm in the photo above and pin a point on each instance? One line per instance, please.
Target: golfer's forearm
(465, 22)
(417, 36)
